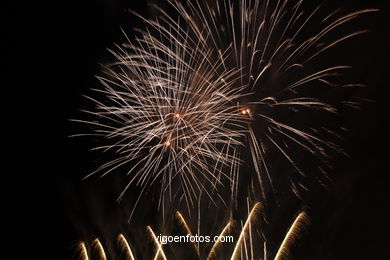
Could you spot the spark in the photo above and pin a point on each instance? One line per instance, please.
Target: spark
(160, 251)
(246, 111)
(99, 249)
(292, 235)
(183, 222)
(257, 207)
(82, 249)
(125, 247)
(216, 245)
(188, 230)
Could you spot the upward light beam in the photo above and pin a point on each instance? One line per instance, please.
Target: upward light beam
(160, 251)
(292, 235)
(216, 245)
(82, 251)
(188, 230)
(99, 249)
(258, 206)
(125, 247)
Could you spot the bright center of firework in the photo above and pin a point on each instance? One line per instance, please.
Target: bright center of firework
(245, 111)
(177, 115)
(168, 143)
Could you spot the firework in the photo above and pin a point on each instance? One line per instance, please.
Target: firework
(82, 251)
(278, 63)
(99, 249)
(171, 115)
(125, 247)
(243, 248)
(160, 251)
(245, 230)
(216, 245)
(188, 230)
(292, 235)
(189, 96)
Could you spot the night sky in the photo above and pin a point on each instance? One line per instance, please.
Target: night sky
(349, 220)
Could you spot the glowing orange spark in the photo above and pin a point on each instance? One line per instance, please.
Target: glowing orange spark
(245, 111)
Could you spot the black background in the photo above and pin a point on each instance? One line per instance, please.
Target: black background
(349, 221)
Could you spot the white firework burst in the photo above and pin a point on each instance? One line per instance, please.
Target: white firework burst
(170, 114)
(281, 69)
(186, 98)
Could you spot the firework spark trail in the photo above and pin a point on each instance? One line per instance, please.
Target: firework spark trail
(188, 230)
(217, 244)
(265, 37)
(292, 235)
(182, 99)
(244, 248)
(99, 249)
(125, 247)
(160, 251)
(82, 249)
(256, 208)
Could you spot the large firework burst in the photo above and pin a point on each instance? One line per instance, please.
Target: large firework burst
(171, 114)
(197, 94)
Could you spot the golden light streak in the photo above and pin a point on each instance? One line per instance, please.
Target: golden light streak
(216, 245)
(257, 207)
(243, 248)
(292, 235)
(188, 230)
(99, 249)
(183, 222)
(82, 249)
(125, 247)
(160, 251)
